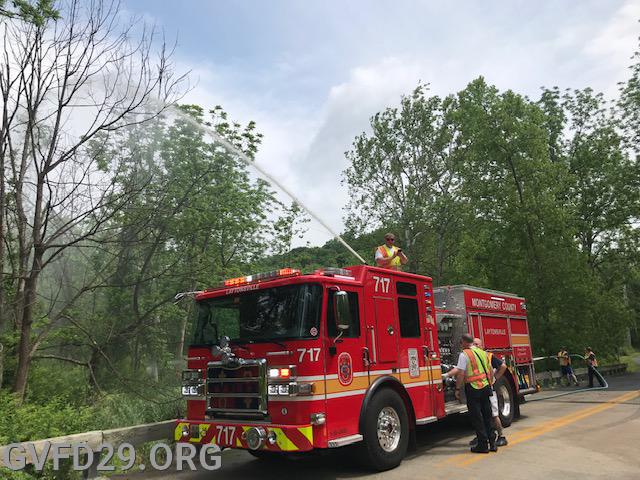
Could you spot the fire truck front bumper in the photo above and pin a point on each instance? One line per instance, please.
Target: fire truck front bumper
(248, 436)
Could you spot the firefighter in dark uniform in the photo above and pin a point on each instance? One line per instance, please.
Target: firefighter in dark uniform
(475, 372)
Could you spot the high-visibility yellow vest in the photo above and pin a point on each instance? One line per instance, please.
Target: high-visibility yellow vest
(478, 372)
(387, 252)
(563, 357)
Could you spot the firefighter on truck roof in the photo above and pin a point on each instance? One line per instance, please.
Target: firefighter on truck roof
(390, 256)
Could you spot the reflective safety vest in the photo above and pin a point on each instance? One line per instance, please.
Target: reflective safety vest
(387, 252)
(564, 358)
(478, 372)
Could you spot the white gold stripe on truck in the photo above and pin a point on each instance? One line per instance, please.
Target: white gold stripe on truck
(317, 378)
(350, 393)
(347, 393)
(419, 384)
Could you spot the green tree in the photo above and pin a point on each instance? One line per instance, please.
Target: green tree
(403, 177)
(52, 196)
(606, 189)
(629, 103)
(37, 12)
(290, 225)
(520, 236)
(196, 218)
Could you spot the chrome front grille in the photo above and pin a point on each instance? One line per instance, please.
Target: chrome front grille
(237, 390)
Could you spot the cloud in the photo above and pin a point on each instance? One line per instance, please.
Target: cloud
(617, 35)
(310, 104)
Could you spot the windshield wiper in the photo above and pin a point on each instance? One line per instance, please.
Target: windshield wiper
(280, 344)
(238, 342)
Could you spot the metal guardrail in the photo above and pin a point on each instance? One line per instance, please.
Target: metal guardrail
(547, 379)
(136, 435)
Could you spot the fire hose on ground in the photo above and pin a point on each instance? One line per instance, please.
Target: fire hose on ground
(562, 394)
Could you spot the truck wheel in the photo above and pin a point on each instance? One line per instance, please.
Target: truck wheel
(386, 431)
(506, 401)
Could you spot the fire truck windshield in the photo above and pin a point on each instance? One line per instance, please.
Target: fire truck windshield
(288, 312)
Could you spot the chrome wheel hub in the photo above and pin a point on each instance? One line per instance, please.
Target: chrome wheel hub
(389, 429)
(504, 402)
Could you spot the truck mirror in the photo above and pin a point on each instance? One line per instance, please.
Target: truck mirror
(341, 310)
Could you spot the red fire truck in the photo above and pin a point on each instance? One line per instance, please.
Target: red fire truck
(285, 362)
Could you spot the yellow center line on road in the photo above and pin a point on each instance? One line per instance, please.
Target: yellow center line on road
(535, 431)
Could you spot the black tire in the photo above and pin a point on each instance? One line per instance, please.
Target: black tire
(506, 401)
(372, 453)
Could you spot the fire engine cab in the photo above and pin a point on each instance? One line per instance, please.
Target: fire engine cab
(285, 362)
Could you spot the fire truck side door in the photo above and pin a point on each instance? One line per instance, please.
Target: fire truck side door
(346, 374)
(385, 338)
(415, 347)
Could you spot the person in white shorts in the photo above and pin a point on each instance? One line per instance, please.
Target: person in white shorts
(499, 367)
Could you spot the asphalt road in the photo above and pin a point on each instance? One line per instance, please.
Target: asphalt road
(594, 434)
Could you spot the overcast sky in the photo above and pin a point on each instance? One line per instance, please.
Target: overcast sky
(311, 74)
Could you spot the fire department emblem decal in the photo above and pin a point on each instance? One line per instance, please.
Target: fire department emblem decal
(345, 369)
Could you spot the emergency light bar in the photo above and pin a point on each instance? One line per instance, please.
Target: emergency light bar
(259, 277)
(335, 272)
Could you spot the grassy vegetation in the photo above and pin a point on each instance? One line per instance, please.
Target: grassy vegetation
(632, 359)
(62, 415)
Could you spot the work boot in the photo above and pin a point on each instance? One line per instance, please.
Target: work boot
(501, 441)
(479, 449)
(473, 442)
(493, 437)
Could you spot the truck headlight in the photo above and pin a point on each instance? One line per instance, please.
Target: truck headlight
(283, 373)
(291, 388)
(305, 388)
(283, 389)
(193, 390)
(192, 383)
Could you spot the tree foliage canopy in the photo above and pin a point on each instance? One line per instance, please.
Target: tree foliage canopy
(539, 197)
